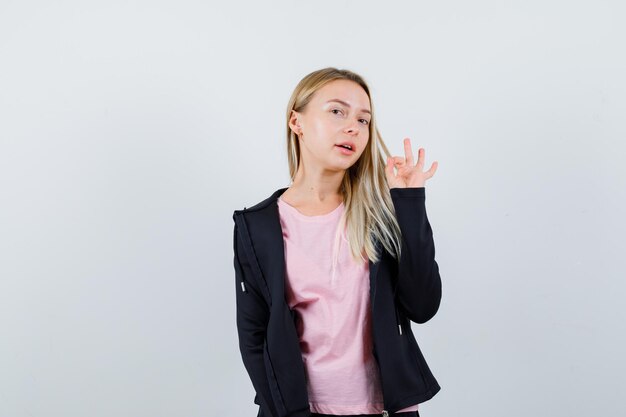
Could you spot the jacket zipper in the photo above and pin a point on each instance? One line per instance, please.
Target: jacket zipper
(395, 290)
(235, 250)
(385, 413)
(251, 256)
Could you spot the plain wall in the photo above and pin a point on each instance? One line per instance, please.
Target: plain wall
(131, 130)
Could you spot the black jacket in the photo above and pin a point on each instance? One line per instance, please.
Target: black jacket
(399, 291)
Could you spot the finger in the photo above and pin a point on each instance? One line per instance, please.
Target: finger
(421, 156)
(433, 169)
(399, 160)
(408, 151)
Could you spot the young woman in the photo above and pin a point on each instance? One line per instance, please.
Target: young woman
(331, 270)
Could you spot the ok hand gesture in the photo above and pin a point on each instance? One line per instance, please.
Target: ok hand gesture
(408, 175)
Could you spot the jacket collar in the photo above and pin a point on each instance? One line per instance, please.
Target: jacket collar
(264, 234)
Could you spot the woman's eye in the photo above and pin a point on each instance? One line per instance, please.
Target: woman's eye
(364, 120)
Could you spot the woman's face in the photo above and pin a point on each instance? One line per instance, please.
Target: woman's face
(338, 113)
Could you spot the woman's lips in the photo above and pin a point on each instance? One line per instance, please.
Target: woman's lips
(344, 151)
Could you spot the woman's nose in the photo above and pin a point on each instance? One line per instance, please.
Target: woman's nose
(352, 128)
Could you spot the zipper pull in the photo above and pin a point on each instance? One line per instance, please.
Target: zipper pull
(398, 322)
(243, 287)
(385, 413)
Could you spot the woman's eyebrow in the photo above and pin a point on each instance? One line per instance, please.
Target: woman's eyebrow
(347, 105)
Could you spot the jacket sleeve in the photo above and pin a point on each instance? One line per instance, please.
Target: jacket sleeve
(418, 288)
(252, 319)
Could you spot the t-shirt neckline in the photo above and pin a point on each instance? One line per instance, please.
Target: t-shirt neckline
(319, 217)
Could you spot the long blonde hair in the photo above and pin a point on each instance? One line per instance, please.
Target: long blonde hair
(369, 214)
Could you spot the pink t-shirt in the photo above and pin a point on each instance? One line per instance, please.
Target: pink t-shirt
(333, 316)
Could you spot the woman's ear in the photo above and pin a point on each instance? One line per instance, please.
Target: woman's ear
(294, 123)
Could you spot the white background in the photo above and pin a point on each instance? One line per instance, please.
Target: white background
(131, 130)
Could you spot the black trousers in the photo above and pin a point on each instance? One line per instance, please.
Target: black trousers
(404, 414)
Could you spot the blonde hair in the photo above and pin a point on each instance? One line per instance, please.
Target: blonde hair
(369, 214)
